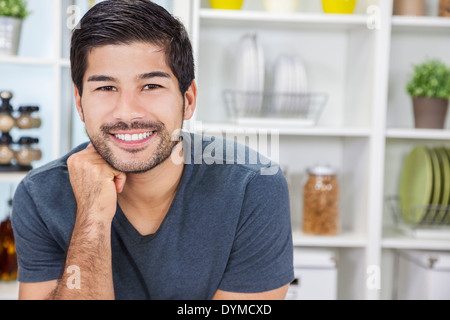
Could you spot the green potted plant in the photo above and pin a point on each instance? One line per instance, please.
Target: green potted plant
(12, 13)
(430, 91)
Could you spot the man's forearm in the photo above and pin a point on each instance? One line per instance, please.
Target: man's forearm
(89, 258)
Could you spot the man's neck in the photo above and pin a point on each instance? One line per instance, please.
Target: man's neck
(148, 196)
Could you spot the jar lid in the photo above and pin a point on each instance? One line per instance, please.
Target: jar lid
(28, 109)
(322, 170)
(6, 95)
(27, 141)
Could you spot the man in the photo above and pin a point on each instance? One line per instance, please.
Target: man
(120, 218)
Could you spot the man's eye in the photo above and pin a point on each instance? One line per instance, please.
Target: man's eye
(107, 88)
(151, 86)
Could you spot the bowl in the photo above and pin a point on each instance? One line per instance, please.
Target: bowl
(338, 6)
(227, 4)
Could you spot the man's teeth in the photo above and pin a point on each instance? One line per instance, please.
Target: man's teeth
(133, 137)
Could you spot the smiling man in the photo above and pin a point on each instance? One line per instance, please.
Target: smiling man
(117, 218)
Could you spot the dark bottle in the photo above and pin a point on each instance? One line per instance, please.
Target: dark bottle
(6, 153)
(8, 256)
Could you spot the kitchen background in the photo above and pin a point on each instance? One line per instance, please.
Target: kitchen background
(333, 86)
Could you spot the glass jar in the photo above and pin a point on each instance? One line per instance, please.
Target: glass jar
(26, 120)
(321, 201)
(444, 8)
(8, 255)
(7, 122)
(6, 152)
(26, 154)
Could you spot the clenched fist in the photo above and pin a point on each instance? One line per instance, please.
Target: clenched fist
(95, 185)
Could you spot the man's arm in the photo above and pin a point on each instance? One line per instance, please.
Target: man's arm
(277, 294)
(87, 273)
(95, 185)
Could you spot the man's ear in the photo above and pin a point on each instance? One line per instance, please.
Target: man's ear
(190, 101)
(78, 102)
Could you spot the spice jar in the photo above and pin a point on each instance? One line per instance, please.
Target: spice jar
(26, 120)
(444, 8)
(8, 255)
(7, 122)
(6, 153)
(321, 201)
(26, 155)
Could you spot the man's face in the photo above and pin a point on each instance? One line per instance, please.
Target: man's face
(131, 105)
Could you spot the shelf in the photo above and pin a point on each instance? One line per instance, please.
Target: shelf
(421, 23)
(12, 177)
(213, 128)
(9, 290)
(346, 239)
(394, 239)
(34, 61)
(319, 20)
(419, 134)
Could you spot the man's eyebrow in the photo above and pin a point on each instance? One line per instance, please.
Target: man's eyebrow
(102, 78)
(154, 74)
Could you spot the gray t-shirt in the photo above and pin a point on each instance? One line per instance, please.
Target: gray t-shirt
(228, 228)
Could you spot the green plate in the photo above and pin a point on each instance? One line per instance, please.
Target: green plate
(416, 184)
(447, 213)
(436, 198)
(445, 173)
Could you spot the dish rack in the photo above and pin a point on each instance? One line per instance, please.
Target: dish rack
(245, 107)
(425, 221)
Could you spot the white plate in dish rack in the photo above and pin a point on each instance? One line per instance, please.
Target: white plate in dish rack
(281, 83)
(246, 72)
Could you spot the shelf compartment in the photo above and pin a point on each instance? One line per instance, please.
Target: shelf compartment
(278, 109)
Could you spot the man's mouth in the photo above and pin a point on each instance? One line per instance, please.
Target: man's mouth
(135, 137)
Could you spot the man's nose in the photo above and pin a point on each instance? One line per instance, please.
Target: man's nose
(128, 107)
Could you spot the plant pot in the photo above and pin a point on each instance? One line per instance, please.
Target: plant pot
(227, 4)
(281, 6)
(409, 7)
(444, 8)
(10, 29)
(430, 113)
(338, 6)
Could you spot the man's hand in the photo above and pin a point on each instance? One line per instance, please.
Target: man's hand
(95, 184)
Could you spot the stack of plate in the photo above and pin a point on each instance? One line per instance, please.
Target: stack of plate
(425, 186)
(249, 83)
(290, 86)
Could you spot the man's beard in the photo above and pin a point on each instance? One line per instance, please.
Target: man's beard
(161, 154)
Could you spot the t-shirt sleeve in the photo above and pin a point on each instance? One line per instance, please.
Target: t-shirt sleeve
(262, 255)
(39, 256)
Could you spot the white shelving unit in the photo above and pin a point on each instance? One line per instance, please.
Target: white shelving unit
(365, 130)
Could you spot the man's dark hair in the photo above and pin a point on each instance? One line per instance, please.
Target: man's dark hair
(115, 22)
